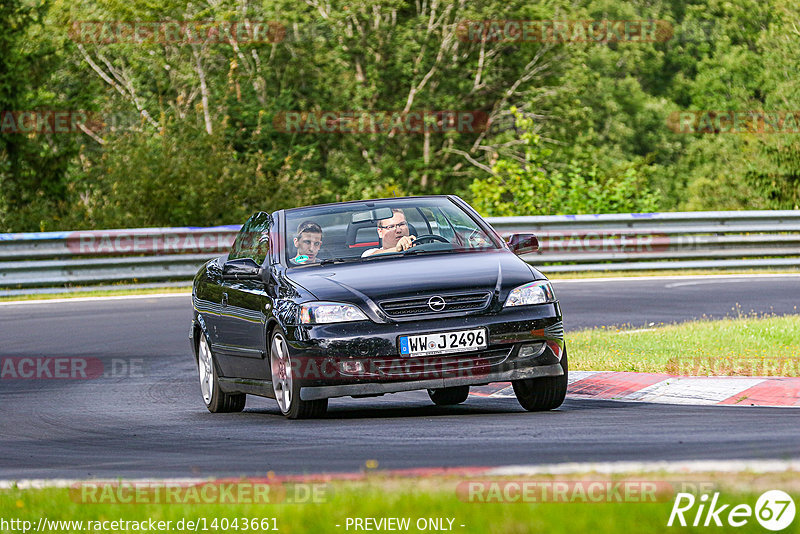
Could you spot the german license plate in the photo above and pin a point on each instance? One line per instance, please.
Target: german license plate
(443, 343)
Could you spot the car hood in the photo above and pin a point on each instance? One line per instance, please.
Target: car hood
(381, 279)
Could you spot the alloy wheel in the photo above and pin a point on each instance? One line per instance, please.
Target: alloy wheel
(205, 365)
(281, 366)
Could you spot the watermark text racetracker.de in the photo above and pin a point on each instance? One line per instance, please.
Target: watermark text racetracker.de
(122, 242)
(48, 121)
(564, 31)
(70, 368)
(329, 368)
(574, 491)
(734, 121)
(222, 491)
(765, 365)
(608, 241)
(67, 121)
(381, 122)
(177, 32)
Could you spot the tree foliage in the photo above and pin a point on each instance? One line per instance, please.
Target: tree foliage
(191, 136)
(538, 186)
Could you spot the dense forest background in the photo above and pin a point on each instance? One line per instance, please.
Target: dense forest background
(189, 138)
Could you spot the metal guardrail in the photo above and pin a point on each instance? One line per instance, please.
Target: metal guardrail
(103, 256)
(607, 242)
(660, 241)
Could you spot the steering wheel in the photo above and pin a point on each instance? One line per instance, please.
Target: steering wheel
(429, 238)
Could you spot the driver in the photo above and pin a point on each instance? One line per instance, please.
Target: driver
(308, 241)
(394, 235)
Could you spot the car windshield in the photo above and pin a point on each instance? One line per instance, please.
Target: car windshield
(370, 230)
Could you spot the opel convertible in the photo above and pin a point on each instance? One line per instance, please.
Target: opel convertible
(371, 297)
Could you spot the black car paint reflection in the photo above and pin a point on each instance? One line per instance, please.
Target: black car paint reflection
(240, 313)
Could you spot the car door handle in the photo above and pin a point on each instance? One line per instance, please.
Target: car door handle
(224, 299)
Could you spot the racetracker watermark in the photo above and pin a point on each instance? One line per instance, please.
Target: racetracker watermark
(381, 122)
(565, 31)
(245, 491)
(734, 366)
(69, 368)
(48, 121)
(574, 491)
(734, 122)
(177, 32)
(138, 242)
(40, 122)
(604, 241)
(407, 368)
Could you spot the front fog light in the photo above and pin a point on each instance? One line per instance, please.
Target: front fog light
(350, 367)
(531, 350)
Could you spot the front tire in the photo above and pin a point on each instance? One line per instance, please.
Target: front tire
(286, 386)
(545, 393)
(216, 400)
(449, 396)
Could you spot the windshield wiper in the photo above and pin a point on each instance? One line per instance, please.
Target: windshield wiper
(331, 261)
(412, 250)
(392, 254)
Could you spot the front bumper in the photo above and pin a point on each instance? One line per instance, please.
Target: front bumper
(378, 388)
(363, 358)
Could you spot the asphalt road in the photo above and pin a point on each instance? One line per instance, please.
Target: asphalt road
(150, 421)
(640, 301)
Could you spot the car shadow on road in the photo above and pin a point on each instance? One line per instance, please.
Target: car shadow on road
(376, 408)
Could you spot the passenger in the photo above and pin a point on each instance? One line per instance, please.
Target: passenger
(394, 234)
(308, 241)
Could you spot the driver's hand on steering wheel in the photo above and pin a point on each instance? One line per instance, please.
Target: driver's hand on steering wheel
(405, 243)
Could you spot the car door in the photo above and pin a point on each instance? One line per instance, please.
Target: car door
(241, 347)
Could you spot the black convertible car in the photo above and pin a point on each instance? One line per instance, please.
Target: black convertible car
(372, 297)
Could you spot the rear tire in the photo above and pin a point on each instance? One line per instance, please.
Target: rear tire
(216, 400)
(449, 396)
(545, 393)
(286, 386)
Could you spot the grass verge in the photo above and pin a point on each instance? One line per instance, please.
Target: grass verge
(447, 501)
(766, 346)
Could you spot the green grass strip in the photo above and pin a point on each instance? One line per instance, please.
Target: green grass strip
(766, 346)
(418, 500)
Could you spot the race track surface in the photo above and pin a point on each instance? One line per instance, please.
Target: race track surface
(154, 424)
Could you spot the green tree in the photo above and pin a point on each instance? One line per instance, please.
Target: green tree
(537, 187)
(33, 168)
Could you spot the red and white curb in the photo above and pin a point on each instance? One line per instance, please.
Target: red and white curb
(669, 389)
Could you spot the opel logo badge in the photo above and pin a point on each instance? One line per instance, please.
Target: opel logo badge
(436, 303)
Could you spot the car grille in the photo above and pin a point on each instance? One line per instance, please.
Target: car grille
(412, 306)
(426, 367)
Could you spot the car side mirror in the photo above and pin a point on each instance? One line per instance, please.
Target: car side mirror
(523, 243)
(242, 269)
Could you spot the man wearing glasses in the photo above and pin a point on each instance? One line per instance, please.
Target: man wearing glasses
(394, 235)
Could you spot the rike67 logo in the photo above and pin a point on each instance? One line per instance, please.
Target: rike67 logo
(774, 510)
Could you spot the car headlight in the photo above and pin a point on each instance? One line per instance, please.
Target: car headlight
(538, 292)
(329, 312)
